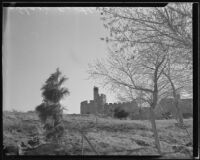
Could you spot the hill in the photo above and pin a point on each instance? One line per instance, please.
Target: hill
(108, 137)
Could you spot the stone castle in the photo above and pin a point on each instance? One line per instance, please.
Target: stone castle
(94, 106)
(99, 106)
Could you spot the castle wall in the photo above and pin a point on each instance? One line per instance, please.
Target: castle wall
(94, 106)
(167, 105)
(84, 107)
(88, 108)
(103, 99)
(187, 106)
(99, 105)
(130, 107)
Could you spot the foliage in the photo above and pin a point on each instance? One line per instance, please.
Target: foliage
(142, 42)
(52, 90)
(140, 70)
(119, 137)
(187, 115)
(120, 113)
(139, 76)
(50, 111)
(170, 26)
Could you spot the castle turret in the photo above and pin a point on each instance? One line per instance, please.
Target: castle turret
(94, 106)
(103, 99)
(96, 93)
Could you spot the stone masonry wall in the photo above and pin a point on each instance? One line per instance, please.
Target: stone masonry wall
(99, 105)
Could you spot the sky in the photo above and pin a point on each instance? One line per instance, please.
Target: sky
(37, 41)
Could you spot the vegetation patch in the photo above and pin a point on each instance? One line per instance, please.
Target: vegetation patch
(113, 137)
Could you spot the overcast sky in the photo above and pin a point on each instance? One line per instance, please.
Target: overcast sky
(37, 41)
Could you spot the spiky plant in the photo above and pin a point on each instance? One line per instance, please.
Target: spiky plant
(50, 110)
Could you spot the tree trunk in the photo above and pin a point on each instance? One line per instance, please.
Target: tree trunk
(178, 110)
(176, 99)
(153, 123)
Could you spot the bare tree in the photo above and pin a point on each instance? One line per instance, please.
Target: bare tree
(140, 71)
(170, 26)
(127, 94)
(152, 33)
(180, 79)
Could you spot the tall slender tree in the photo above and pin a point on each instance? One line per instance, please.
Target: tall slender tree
(50, 111)
(139, 28)
(140, 71)
(180, 79)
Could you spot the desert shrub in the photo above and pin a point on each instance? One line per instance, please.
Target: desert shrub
(167, 115)
(47, 149)
(11, 126)
(50, 111)
(141, 142)
(187, 115)
(29, 128)
(10, 150)
(120, 113)
(20, 126)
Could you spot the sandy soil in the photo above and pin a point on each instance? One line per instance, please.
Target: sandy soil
(108, 137)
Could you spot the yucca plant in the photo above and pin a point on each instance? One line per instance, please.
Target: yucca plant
(50, 110)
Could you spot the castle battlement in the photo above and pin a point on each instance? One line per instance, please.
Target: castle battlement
(99, 105)
(96, 105)
(84, 102)
(91, 101)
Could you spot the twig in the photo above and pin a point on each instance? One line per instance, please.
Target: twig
(184, 128)
(83, 136)
(82, 149)
(89, 143)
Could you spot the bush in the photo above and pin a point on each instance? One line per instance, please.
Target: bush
(187, 115)
(120, 113)
(50, 110)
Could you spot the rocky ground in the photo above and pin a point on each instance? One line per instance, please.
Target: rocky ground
(108, 137)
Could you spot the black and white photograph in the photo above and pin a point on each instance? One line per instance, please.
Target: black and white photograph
(103, 81)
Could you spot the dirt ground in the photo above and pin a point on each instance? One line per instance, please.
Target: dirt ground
(108, 137)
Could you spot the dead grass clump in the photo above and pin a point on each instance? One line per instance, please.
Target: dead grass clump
(122, 127)
(181, 149)
(103, 144)
(143, 151)
(141, 142)
(45, 149)
(168, 139)
(114, 137)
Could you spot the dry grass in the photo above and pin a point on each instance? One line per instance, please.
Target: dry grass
(109, 137)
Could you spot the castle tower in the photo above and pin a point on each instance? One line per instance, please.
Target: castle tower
(96, 93)
(103, 99)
